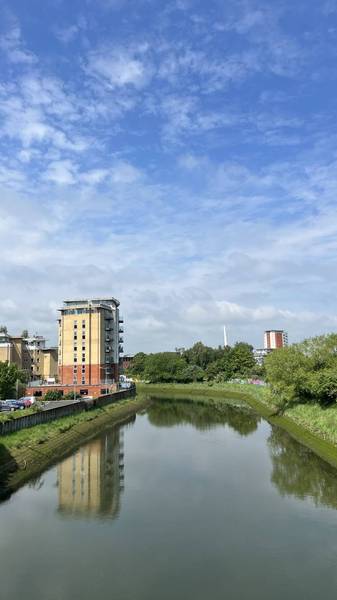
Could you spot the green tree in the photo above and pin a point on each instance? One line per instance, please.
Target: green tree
(164, 367)
(304, 372)
(3, 329)
(25, 334)
(200, 355)
(138, 366)
(241, 360)
(9, 376)
(192, 373)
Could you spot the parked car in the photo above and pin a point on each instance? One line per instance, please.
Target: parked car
(4, 407)
(16, 404)
(26, 399)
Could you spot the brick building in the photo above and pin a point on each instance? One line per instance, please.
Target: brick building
(275, 338)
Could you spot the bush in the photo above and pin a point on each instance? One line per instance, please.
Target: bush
(52, 396)
(305, 372)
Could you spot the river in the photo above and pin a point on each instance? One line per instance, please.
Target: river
(186, 502)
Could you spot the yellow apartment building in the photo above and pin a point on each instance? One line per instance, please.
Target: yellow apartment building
(89, 341)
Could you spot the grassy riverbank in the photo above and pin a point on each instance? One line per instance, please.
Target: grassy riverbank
(310, 424)
(28, 452)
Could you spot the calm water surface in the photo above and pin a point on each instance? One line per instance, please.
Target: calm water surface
(184, 503)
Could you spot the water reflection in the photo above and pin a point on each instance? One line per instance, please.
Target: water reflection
(297, 471)
(90, 481)
(168, 413)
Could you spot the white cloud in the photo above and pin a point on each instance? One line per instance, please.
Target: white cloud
(120, 67)
(123, 172)
(12, 44)
(62, 172)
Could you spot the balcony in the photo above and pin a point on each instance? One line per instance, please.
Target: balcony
(120, 349)
(121, 330)
(121, 340)
(120, 320)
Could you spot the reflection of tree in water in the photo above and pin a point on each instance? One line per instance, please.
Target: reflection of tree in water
(299, 472)
(203, 416)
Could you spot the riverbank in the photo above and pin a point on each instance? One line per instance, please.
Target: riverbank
(311, 425)
(27, 453)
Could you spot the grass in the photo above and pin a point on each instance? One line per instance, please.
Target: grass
(8, 416)
(29, 452)
(47, 431)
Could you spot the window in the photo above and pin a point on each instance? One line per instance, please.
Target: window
(83, 380)
(83, 348)
(83, 323)
(75, 359)
(75, 380)
(83, 337)
(84, 392)
(83, 368)
(75, 337)
(75, 348)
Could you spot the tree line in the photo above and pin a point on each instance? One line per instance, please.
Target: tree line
(198, 363)
(305, 372)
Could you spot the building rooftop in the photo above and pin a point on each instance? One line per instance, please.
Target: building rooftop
(89, 302)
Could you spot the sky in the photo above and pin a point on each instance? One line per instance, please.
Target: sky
(178, 155)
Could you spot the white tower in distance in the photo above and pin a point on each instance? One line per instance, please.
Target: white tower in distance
(225, 339)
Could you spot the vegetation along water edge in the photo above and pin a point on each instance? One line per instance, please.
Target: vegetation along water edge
(27, 453)
(311, 424)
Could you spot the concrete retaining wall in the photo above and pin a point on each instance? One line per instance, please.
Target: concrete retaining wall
(54, 413)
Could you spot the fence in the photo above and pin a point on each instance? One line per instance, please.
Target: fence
(51, 414)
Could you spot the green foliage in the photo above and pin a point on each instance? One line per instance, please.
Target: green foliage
(138, 366)
(70, 396)
(201, 355)
(3, 329)
(192, 373)
(164, 366)
(196, 364)
(9, 376)
(305, 372)
(52, 396)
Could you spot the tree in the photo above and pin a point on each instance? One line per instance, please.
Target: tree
(3, 329)
(25, 334)
(164, 367)
(9, 375)
(138, 366)
(241, 360)
(304, 372)
(200, 355)
(192, 373)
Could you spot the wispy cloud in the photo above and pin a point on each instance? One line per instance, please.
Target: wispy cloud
(118, 67)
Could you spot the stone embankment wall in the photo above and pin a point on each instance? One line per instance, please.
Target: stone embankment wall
(51, 414)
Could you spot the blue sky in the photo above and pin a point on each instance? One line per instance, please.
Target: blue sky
(180, 156)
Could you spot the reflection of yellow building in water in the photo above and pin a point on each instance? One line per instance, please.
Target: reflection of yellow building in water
(90, 481)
